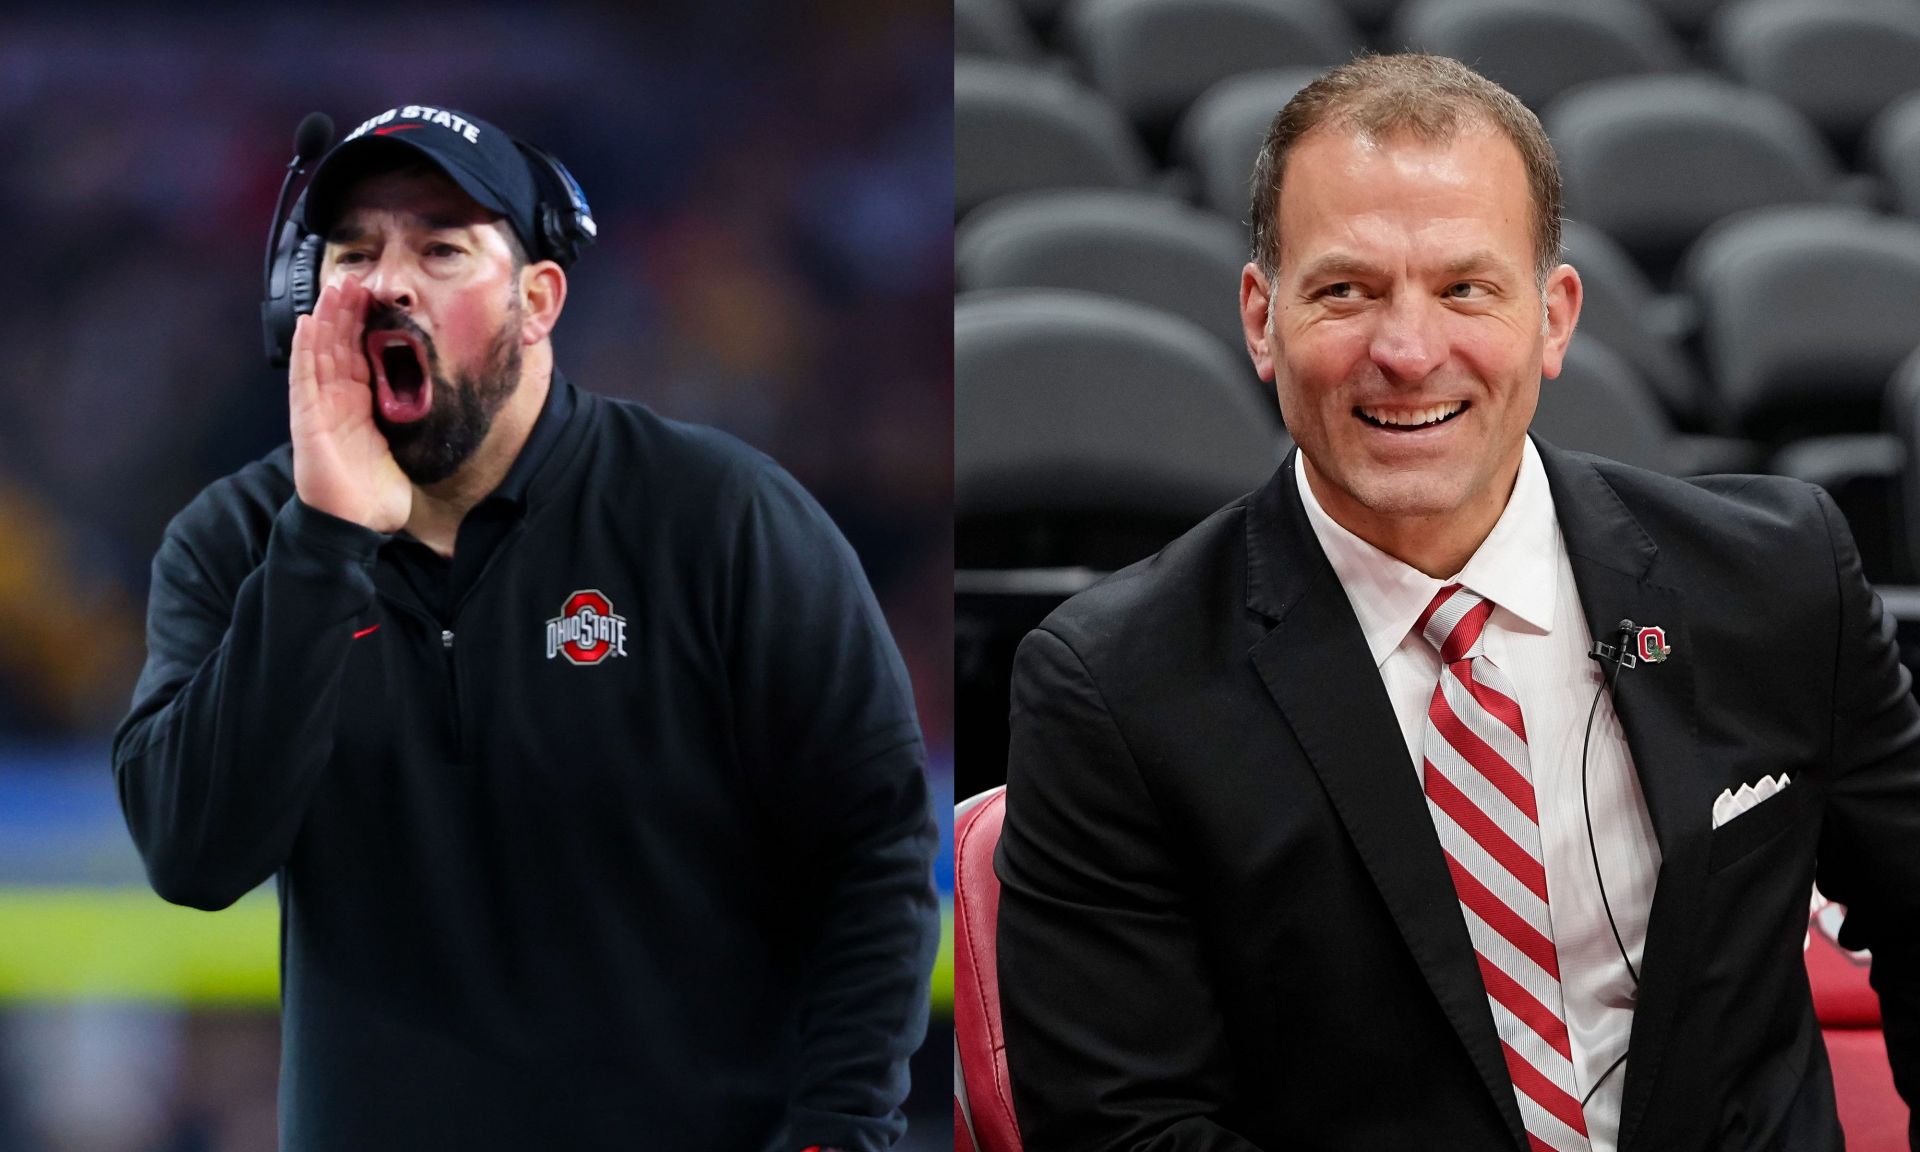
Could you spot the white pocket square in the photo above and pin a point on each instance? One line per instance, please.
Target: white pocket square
(1732, 803)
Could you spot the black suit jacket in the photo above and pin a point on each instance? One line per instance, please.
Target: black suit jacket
(1225, 921)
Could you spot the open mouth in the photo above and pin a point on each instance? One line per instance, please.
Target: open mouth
(1411, 419)
(402, 386)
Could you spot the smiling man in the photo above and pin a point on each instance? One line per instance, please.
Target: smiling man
(574, 737)
(1322, 828)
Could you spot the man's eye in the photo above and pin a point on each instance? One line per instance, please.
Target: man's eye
(350, 257)
(442, 250)
(1340, 291)
(1464, 290)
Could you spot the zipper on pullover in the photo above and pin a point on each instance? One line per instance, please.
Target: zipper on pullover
(453, 695)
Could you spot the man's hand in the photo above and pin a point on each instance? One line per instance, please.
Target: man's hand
(341, 462)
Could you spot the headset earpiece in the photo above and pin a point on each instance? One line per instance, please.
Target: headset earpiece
(565, 221)
(293, 283)
(303, 276)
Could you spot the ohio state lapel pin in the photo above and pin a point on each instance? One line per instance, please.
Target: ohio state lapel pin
(1652, 644)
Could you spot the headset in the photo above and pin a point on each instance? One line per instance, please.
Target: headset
(562, 220)
(561, 213)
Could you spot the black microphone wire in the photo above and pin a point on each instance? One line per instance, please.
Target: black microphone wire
(1603, 1079)
(1607, 679)
(1586, 741)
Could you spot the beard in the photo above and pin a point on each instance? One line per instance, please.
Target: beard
(434, 447)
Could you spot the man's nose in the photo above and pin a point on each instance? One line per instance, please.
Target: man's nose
(1409, 342)
(389, 282)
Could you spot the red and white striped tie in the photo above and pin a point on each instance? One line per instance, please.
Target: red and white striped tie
(1479, 789)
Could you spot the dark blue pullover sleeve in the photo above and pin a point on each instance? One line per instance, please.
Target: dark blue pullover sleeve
(248, 629)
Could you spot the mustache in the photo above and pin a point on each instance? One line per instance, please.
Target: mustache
(381, 319)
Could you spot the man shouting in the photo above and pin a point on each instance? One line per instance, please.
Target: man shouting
(574, 736)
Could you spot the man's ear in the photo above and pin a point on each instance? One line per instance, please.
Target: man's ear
(1563, 296)
(543, 293)
(1256, 302)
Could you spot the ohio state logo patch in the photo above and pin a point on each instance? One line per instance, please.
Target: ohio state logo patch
(587, 630)
(1653, 645)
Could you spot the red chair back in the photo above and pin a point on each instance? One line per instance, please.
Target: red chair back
(983, 1098)
(1871, 1111)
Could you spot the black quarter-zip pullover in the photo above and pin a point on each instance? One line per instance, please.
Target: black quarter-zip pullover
(613, 832)
(439, 582)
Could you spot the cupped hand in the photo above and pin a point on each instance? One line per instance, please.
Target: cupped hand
(341, 462)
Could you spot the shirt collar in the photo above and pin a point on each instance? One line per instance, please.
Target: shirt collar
(1516, 566)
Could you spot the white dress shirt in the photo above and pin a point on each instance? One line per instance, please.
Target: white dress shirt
(1538, 636)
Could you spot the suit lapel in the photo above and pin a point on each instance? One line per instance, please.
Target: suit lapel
(1615, 567)
(1317, 667)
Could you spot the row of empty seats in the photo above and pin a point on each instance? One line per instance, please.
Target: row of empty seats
(1802, 314)
(1836, 63)
(1651, 160)
(1089, 430)
(1745, 280)
(978, 24)
(1748, 294)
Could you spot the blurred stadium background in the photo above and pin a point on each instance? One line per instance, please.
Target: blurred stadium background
(771, 181)
(1743, 202)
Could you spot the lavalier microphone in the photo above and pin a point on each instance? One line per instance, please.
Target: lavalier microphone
(1621, 653)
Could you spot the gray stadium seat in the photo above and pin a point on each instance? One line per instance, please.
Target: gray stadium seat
(1088, 433)
(1220, 136)
(992, 28)
(1840, 64)
(1132, 245)
(1369, 15)
(1071, 404)
(1862, 472)
(1894, 147)
(1623, 310)
(1689, 18)
(1538, 49)
(1903, 422)
(1653, 160)
(1018, 128)
(1041, 15)
(1155, 57)
(1599, 404)
(1806, 314)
